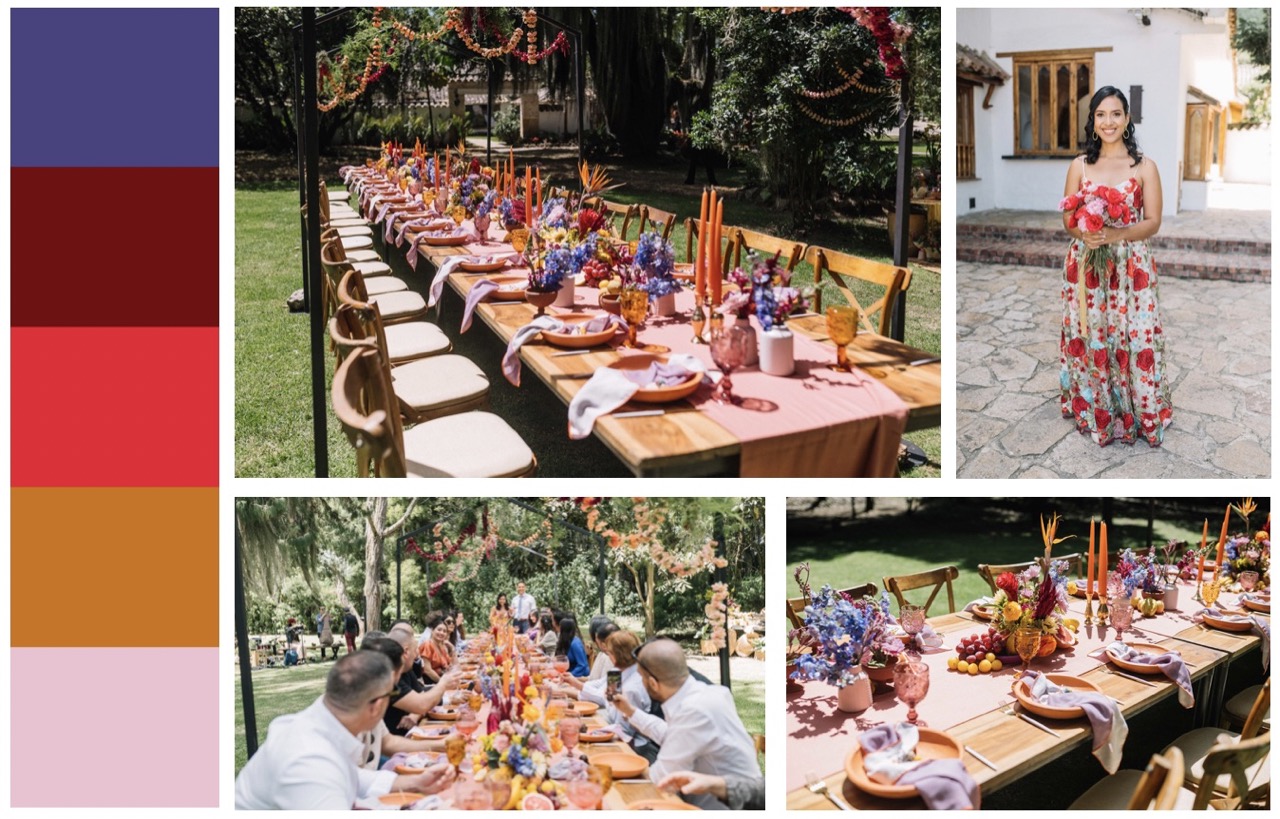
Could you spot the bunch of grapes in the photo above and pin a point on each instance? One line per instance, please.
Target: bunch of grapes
(595, 271)
(977, 653)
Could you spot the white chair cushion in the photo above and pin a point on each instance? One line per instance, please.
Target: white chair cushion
(350, 243)
(415, 339)
(362, 255)
(338, 194)
(438, 382)
(1195, 747)
(369, 269)
(384, 284)
(1241, 704)
(354, 232)
(349, 221)
(343, 212)
(399, 304)
(466, 445)
(1114, 792)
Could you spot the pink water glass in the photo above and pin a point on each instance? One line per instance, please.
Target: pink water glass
(1121, 614)
(911, 618)
(585, 794)
(1248, 581)
(570, 726)
(910, 684)
(729, 352)
(467, 722)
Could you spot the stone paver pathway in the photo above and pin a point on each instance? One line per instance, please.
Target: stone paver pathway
(1239, 225)
(1008, 421)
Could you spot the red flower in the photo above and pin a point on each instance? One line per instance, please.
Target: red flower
(1079, 406)
(1091, 279)
(1127, 420)
(1100, 359)
(1091, 223)
(1073, 272)
(1075, 348)
(1147, 360)
(1137, 197)
(1008, 583)
(1113, 283)
(1140, 279)
(1122, 359)
(1102, 417)
(1166, 414)
(589, 221)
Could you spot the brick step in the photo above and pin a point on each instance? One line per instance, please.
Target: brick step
(976, 233)
(1179, 264)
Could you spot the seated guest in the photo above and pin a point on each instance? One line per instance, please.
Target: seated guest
(570, 645)
(459, 634)
(738, 792)
(621, 646)
(436, 651)
(413, 698)
(549, 637)
(380, 742)
(598, 630)
(310, 759)
(700, 730)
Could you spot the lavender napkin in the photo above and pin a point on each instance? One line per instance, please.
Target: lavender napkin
(1260, 627)
(981, 601)
(1109, 728)
(475, 295)
(422, 221)
(889, 757)
(610, 388)
(1170, 664)
(442, 275)
(927, 638)
(511, 360)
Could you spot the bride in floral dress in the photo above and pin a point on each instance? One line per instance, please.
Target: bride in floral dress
(1112, 345)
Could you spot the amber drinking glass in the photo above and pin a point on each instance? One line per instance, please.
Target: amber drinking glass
(842, 327)
(455, 748)
(634, 306)
(1209, 592)
(1026, 641)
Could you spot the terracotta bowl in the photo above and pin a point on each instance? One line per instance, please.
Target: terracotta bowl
(1022, 691)
(623, 765)
(1139, 668)
(933, 745)
(656, 395)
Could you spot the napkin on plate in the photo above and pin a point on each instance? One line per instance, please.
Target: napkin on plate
(442, 275)
(1109, 728)
(421, 221)
(927, 638)
(610, 388)
(981, 601)
(511, 361)
(888, 756)
(1170, 664)
(475, 295)
(1260, 627)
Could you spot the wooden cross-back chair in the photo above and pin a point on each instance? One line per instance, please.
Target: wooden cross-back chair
(836, 266)
(936, 578)
(335, 212)
(661, 220)
(424, 388)
(395, 305)
(1157, 787)
(1234, 760)
(470, 444)
(726, 248)
(402, 342)
(613, 211)
(990, 571)
(1198, 746)
(765, 246)
(795, 605)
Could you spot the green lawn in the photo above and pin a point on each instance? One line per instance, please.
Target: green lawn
(946, 531)
(278, 691)
(273, 434)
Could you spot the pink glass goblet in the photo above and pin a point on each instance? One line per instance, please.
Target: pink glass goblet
(569, 730)
(728, 351)
(911, 684)
(1121, 614)
(911, 618)
(585, 794)
(1248, 581)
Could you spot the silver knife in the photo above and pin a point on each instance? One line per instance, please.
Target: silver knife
(981, 758)
(1134, 678)
(1039, 725)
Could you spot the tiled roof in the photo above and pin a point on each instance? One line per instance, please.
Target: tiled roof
(972, 61)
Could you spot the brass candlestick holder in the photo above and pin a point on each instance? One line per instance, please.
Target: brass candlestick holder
(717, 323)
(1088, 609)
(699, 321)
(1103, 612)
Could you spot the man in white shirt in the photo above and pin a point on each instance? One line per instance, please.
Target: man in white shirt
(523, 609)
(311, 760)
(700, 730)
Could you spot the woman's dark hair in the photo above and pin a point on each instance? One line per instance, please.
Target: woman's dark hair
(606, 631)
(598, 622)
(385, 646)
(501, 602)
(545, 625)
(1092, 144)
(568, 631)
(434, 619)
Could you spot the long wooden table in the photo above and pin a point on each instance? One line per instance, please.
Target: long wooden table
(1019, 748)
(682, 441)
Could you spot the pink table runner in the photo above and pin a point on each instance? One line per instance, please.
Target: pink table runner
(1169, 624)
(820, 737)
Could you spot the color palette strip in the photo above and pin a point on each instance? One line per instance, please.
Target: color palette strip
(114, 419)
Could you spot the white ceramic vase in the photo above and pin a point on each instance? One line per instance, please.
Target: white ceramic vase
(777, 351)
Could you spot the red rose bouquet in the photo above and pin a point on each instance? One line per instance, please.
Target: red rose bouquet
(1091, 209)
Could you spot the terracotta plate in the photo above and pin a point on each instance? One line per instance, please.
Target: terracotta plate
(624, 765)
(1023, 693)
(984, 612)
(400, 798)
(578, 340)
(585, 709)
(1080, 591)
(656, 395)
(511, 287)
(1257, 605)
(1139, 668)
(482, 264)
(440, 239)
(596, 735)
(683, 271)
(933, 745)
(410, 770)
(661, 804)
(1227, 625)
(448, 714)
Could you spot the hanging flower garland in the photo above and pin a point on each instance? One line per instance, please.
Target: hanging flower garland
(835, 123)
(375, 65)
(559, 44)
(889, 36)
(717, 611)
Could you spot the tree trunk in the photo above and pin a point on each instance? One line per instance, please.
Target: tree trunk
(648, 602)
(374, 523)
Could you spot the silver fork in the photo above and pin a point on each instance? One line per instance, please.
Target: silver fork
(818, 786)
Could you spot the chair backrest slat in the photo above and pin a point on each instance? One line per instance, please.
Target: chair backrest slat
(936, 578)
(1232, 758)
(763, 244)
(836, 266)
(1161, 782)
(361, 398)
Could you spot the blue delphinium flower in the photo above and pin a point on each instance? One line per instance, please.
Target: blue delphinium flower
(519, 761)
(656, 260)
(844, 632)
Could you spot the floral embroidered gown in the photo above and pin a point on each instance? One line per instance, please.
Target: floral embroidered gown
(1112, 344)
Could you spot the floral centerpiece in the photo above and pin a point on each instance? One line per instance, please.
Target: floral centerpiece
(1251, 551)
(1036, 598)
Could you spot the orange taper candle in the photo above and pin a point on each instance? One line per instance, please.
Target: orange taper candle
(1102, 561)
(717, 273)
(1222, 542)
(1088, 583)
(700, 261)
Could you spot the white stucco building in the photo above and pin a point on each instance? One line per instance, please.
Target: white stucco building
(1018, 132)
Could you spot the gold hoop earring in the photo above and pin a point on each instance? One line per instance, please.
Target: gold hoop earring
(1095, 137)
(1128, 132)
